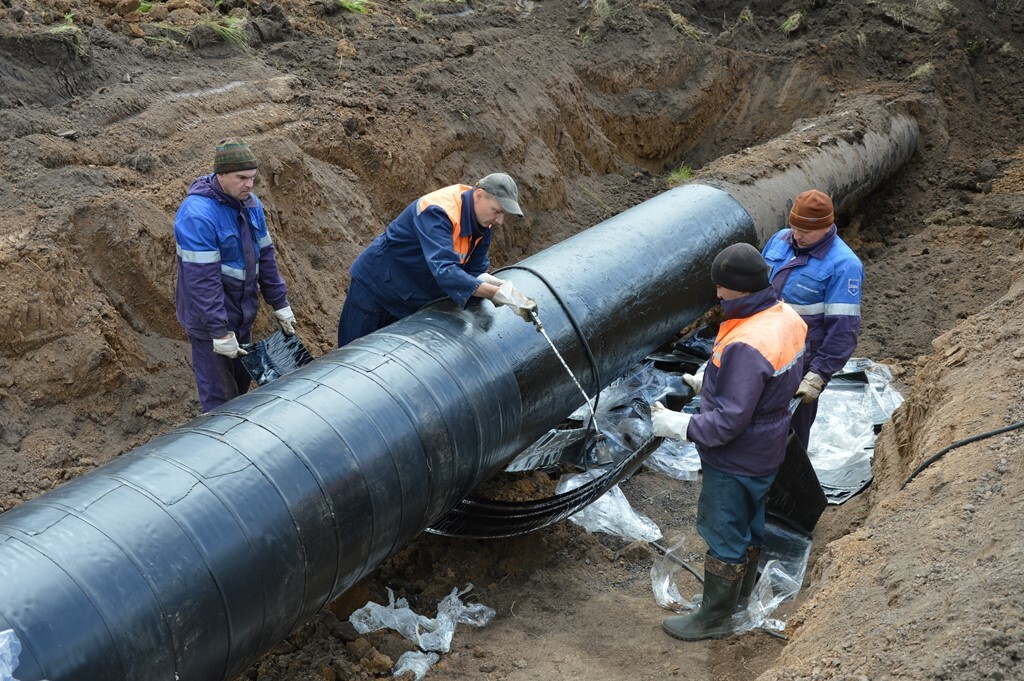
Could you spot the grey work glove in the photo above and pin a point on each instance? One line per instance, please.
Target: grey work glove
(512, 297)
(490, 279)
(285, 320)
(228, 346)
(668, 423)
(810, 387)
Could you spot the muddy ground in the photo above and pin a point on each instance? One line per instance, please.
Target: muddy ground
(109, 108)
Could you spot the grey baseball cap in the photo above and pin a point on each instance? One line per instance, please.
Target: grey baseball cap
(503, 188)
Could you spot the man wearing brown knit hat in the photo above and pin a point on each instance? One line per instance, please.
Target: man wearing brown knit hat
(821, 278)
(225, 261)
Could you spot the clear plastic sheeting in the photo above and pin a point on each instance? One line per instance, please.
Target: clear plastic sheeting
(676, 459)
(611, 513)
(428, 634)
(10, 648)
(784, 563)
(664, 583)
(851, 410)
(623, 417)
(419, 663)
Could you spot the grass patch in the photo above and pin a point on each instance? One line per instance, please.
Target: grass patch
(923, 71)
(356, 6)
(746, 16)
(679, 176)
(683, 25)
(145, 7)
(792, 23)
(602, 8)
(230, 30)
(68, 26)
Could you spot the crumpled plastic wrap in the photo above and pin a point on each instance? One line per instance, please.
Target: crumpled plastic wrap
(428, 634)
(419, 663)
(610, 513)
(10, 648)
(663, 581)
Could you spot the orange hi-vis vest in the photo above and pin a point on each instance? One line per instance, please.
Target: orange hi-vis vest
(449, 199)
(772, 332)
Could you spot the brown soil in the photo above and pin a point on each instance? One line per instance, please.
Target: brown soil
(107, 112)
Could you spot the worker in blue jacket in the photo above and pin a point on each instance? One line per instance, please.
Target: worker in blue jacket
(820, 276)
(740, 433)
(225, 261)
(436, 247)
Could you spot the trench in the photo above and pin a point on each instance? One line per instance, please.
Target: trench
(298, 490)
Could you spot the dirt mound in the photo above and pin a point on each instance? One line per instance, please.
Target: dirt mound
(109, 108)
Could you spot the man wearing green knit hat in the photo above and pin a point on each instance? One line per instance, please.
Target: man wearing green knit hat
(225, 262)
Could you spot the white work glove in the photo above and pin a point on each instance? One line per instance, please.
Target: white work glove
(490, 279)
(810, 387)
(285, 320)
(228, 346)
(668, 423)
(695, 381)
(509, 295)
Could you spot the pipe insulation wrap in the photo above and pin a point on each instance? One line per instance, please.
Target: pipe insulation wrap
(191, 556)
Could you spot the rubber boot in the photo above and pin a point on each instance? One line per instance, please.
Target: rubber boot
(722, 582)
(750, 577)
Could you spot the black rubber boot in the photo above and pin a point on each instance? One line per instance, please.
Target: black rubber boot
(750, 577)
(722, 582)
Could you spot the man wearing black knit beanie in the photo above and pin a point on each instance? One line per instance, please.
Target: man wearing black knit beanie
(740, 433)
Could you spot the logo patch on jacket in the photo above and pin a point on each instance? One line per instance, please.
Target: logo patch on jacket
(853, 286)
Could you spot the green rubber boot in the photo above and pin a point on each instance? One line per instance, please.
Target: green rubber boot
(750, 577)
(722, 582)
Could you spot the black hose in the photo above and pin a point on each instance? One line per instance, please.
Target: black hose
(575, 325)
(974, 438)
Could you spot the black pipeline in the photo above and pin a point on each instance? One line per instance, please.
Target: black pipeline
(191, 556)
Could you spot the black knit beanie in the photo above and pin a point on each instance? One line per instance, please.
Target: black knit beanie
(740, 267)
(233, 155)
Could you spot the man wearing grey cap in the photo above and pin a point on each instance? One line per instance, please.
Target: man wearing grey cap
(436, 247)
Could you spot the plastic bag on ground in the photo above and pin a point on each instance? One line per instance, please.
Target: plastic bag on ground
(663, 581)
(428, 634)
(610, 513)
(415, 661)
(774, 586)
(10, 648)
(676, 459)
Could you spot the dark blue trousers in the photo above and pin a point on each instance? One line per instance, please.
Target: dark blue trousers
(361, 315)
(730, 512)
(218, 378)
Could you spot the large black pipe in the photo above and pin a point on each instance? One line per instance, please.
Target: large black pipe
(192, 555)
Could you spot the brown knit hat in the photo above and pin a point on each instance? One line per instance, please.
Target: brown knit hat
(233, 155)
(812, 210)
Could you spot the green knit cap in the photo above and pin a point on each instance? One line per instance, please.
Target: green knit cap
(233, 155)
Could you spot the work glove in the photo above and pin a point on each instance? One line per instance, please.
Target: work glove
(490, 279)
(228, 346)
(285, 320)
(810, 387)
(695, 381)
(668, 423)
(521, 304)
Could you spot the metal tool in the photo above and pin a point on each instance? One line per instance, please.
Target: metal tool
(540, 328)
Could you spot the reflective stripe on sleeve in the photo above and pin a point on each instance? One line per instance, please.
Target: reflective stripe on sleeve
(198, 256)
(232, 272)
(265, 241)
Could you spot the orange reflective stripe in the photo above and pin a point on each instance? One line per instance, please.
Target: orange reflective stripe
(449, 199)
(778, 333)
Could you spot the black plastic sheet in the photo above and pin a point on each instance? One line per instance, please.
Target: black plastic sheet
(274, 357)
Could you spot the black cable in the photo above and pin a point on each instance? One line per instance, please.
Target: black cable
(974, 438)
(575, 325)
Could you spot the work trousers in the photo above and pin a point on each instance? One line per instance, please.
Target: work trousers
(730, 512)
(361, 315)
(218, 378)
